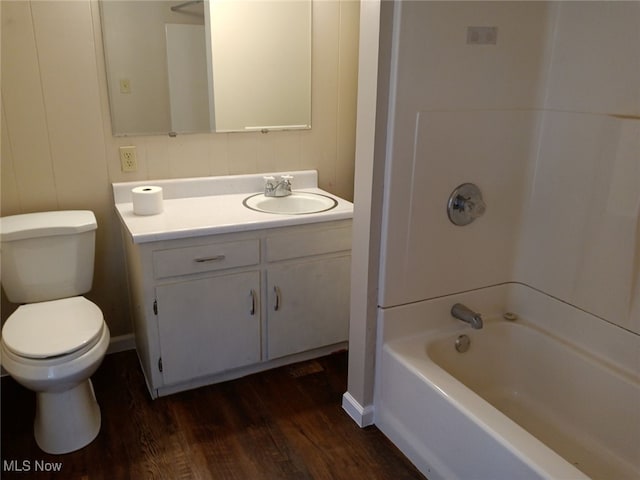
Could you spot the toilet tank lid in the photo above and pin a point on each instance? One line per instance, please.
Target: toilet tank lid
(43, 224)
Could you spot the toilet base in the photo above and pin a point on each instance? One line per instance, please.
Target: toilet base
(66, 421)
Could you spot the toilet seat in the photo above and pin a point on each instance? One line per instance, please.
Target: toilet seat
(54, 328)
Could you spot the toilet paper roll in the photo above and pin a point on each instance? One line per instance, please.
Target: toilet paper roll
(147, 200)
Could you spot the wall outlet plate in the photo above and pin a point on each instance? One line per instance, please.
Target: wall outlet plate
(128, 159)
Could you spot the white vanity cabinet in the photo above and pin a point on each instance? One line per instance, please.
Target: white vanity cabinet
(212, 308)
(307, 297)
(308, 308)
(209, 325)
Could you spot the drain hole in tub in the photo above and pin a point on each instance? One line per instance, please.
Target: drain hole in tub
(463, 342)
(510, 316)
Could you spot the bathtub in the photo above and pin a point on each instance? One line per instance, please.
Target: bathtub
(553, 394)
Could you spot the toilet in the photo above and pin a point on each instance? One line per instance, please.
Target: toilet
(56, 339)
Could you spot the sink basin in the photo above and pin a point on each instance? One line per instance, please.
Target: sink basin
(298, 203)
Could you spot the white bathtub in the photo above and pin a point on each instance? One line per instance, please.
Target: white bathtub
(555, 394)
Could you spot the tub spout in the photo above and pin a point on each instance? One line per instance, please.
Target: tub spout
(461, 312)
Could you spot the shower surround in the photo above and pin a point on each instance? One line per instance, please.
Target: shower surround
(546, 122)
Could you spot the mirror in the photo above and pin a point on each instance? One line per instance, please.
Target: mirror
(202, 66)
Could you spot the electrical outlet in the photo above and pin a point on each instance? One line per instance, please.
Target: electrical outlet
(128, 159)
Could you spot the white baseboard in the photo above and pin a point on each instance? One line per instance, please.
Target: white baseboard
(122, 343)
(363, 416)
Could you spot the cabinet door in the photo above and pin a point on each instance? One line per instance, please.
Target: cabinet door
(208, 325)
(308, 305)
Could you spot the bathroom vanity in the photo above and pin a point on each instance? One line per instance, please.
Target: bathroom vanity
(220, 290)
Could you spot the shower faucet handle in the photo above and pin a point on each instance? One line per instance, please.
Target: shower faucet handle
(473, 206)
(465, 204)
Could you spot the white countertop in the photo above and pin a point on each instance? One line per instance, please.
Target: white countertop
(186, 216)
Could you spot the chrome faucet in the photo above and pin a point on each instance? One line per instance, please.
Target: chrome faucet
(467, 315)
(277, 189)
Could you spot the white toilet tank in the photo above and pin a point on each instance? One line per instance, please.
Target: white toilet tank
(47, 255)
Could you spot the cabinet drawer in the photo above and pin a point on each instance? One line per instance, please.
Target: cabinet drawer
(205, 258)
(308, 242)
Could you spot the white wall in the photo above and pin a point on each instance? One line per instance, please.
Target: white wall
(373, 87)
(58, 151)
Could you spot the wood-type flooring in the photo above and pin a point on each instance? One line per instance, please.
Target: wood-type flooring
(282, 424)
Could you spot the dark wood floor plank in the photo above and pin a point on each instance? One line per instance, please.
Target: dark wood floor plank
(283, 424)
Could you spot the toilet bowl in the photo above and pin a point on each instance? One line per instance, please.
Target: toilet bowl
(52, 348)
(56, 339)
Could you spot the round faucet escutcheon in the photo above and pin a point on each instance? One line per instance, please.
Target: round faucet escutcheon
(465, 204)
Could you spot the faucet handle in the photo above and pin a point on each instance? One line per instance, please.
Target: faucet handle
(269, 185)
(286, 180)
(474, 206)
(465, 204)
